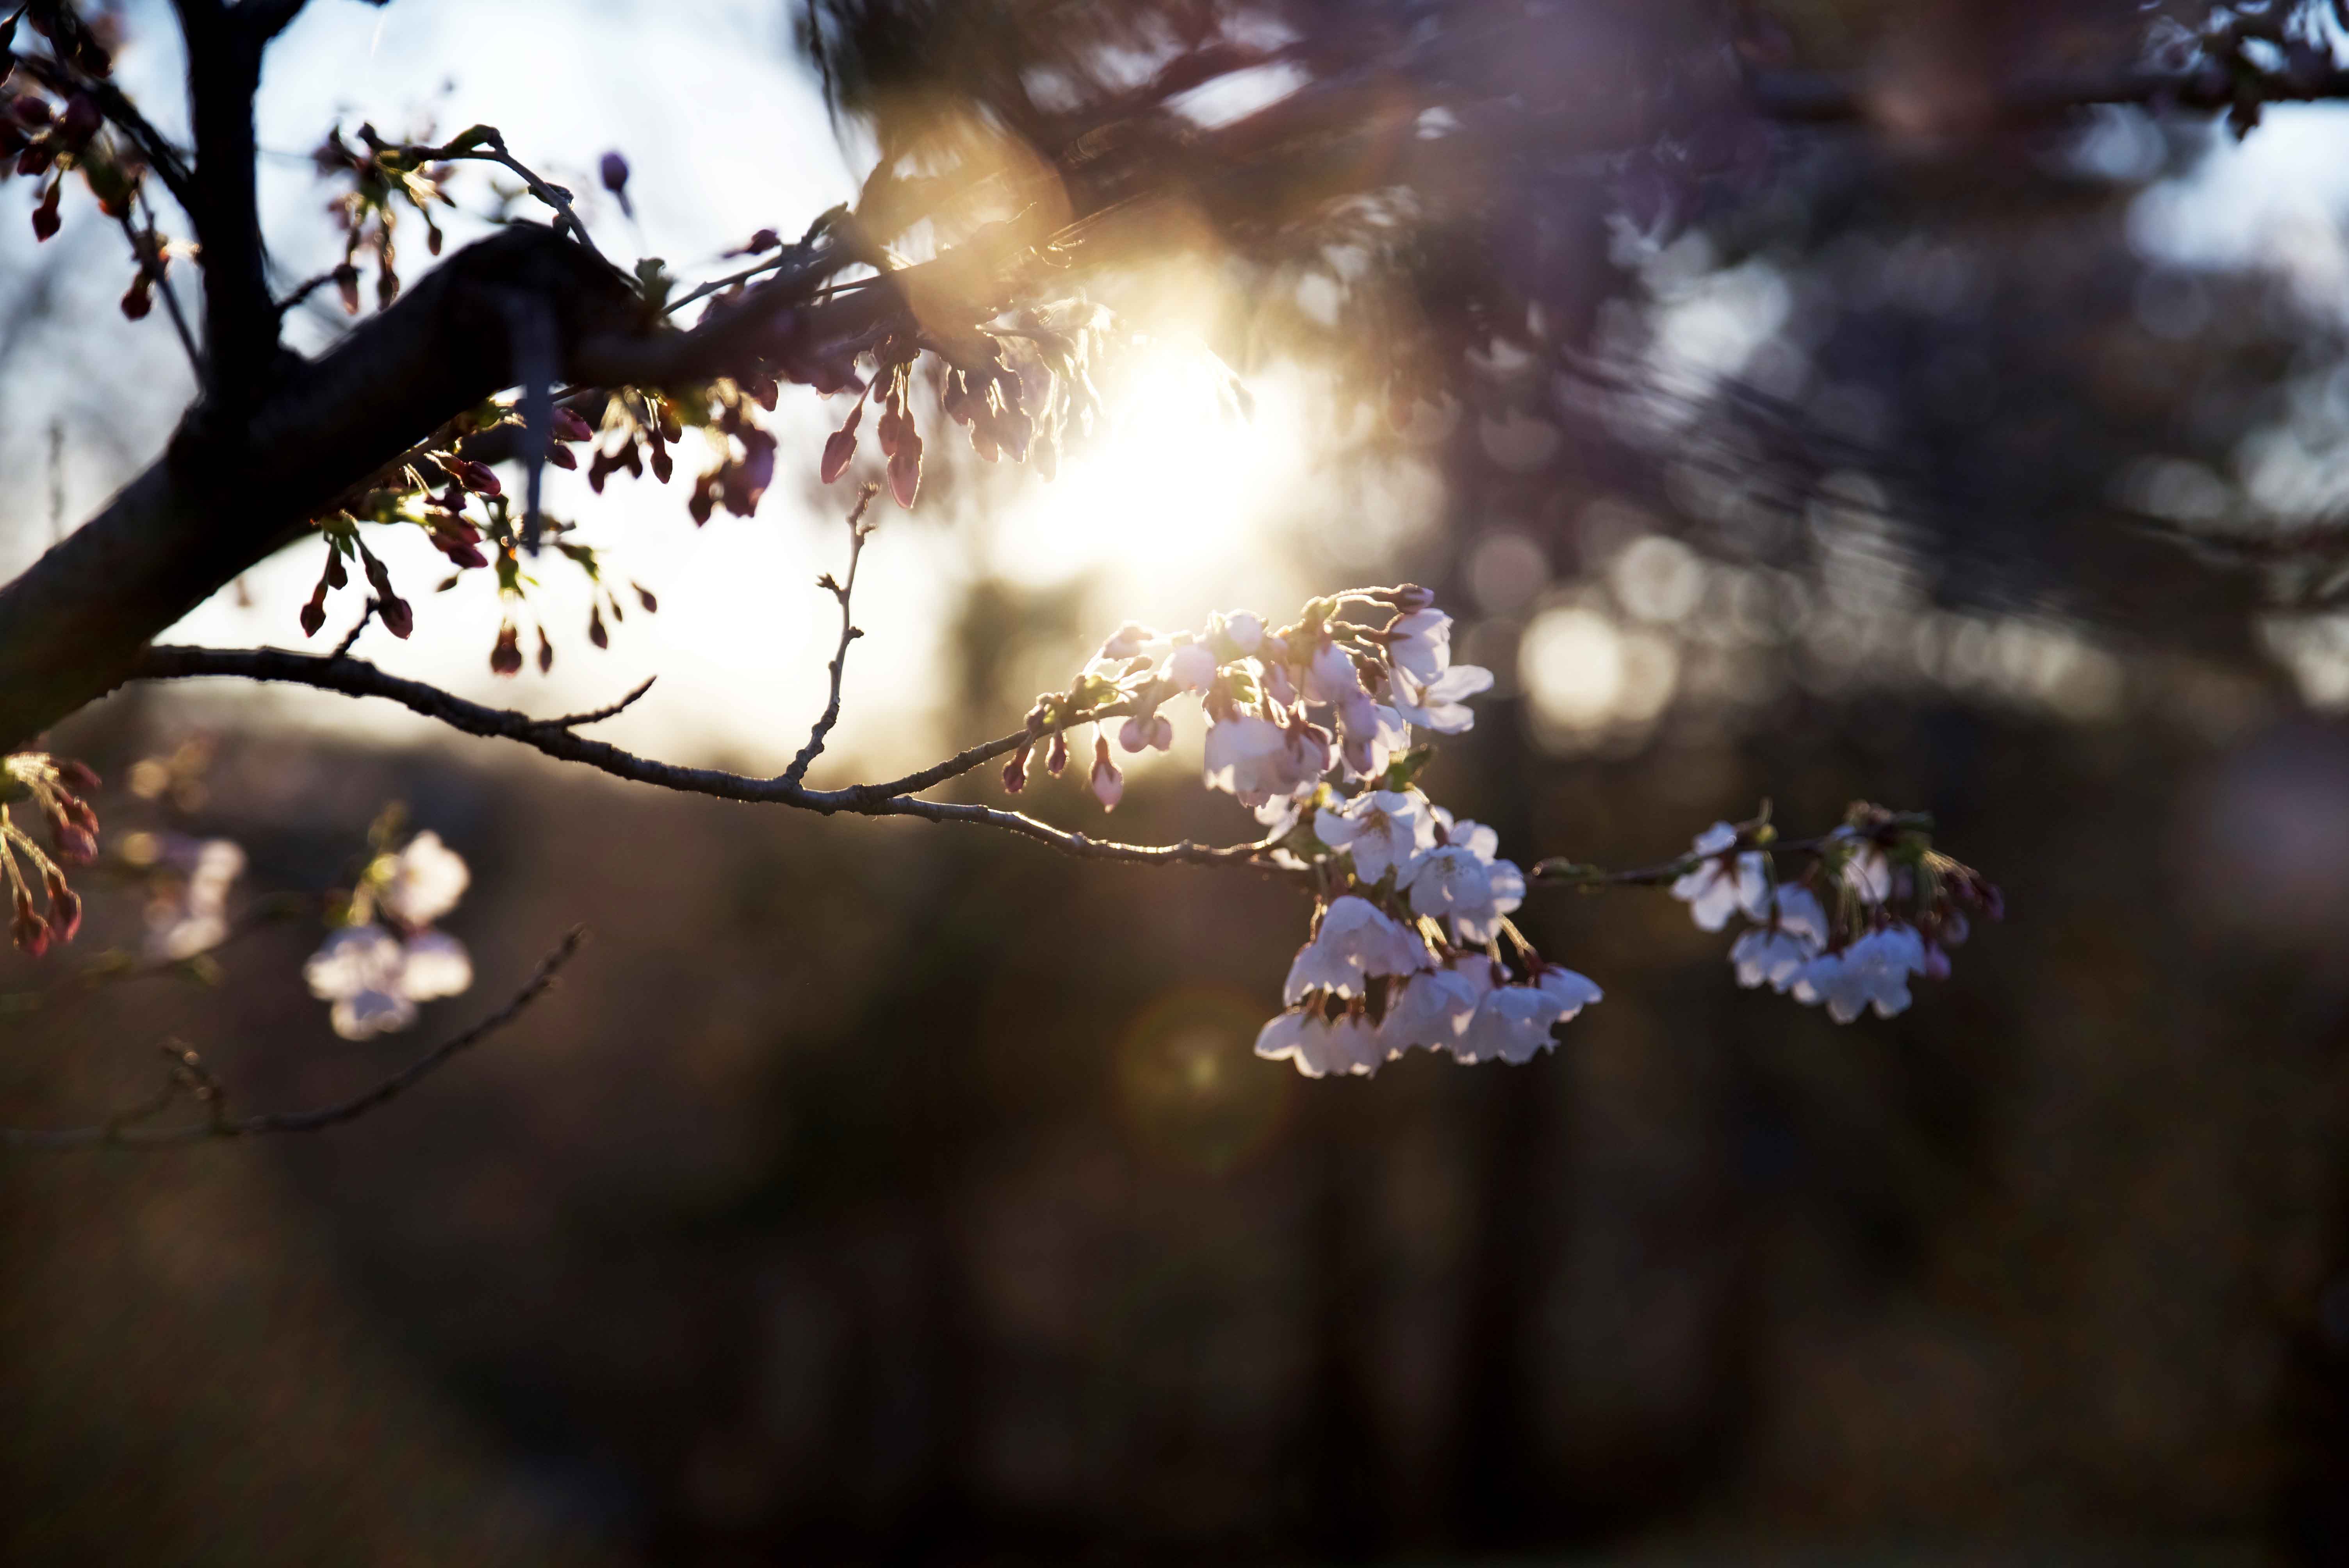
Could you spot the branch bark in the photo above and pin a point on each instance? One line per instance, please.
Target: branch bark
(893, 798)
(225, 495)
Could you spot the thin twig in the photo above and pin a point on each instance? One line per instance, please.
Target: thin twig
(894, 798)
(122, 1132)
(147, 252)
(841, 590)
(495, 151)
(1559, 872)
(598, 715)
(343, 648)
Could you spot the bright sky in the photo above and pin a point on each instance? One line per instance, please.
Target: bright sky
(1181, 510)
(1167, 515)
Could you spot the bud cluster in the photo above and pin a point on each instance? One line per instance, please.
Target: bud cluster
(381, 175)
(57, 789)
(51, 125)
(464, 510)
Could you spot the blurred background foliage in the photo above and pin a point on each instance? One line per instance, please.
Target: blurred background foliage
(892, 1194)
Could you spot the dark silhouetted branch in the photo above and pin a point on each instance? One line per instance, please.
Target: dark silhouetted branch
(894, 798)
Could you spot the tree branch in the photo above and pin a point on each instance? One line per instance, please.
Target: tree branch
(239, 319)
(894, 798)
(841, 590)
(190, 1074)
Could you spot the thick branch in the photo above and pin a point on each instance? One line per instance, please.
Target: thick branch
(240, 319)
(71, 625)
(894, 798)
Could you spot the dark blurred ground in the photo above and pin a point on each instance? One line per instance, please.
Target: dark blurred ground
(874, 1191)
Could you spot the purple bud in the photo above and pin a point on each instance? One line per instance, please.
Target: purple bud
(615, 170)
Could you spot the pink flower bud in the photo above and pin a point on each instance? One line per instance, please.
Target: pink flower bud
(45, 216)
(78, 777)
(614, 171)
(1015, 773)
(64, 909)
(505, 656)
(1056, 758)
(595, 632)
(396, 617)
(1126, 643)
(314, 615)
(1108, 783)
(1147, 731)
(570, 427)
(905, 470)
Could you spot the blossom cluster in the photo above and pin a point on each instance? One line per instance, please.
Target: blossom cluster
(386, 957)
(1877, 906)
(1312, 724)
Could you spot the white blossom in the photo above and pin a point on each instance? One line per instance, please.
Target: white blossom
(1453, 881)
(1432, 1009)
(1771, 954)
(1419, 644)
(1480, 840)
(1245, 628)
(1247, 756)
(375, 980)
(1191, 667)
(1356, 940)
(193, 918)
(1873, 970)
(1331, 676)
(1442, 705)
(1513, 1022)
(1723, 885)
(1381, 828)
(1126, 643)
(437, 966)
(1865, 872)
(1348, 1047)
(423, 880)
(1373, 733)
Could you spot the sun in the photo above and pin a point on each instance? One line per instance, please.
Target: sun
(1181, 494)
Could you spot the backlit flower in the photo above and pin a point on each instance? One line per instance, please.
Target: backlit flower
(1723, 884)
(1356, 940)
(1381, 828)
(1872, 972)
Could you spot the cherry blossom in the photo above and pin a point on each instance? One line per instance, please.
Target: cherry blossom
(1244, 629)
(1247, 756)
(1356, 940)
(1431, 1008)
(1330, 674)
(1771, 954)
(1349, 1046)
(1419, 644)
(1442, 705)
(375, 979)
(423, 881)
(1453, 882)
(193, 917)
(1191, 667)
(1381, 828)
(1513, 1022)
(1723, 885)
(1865, 870)
(1373, 735)
(1874, 971)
